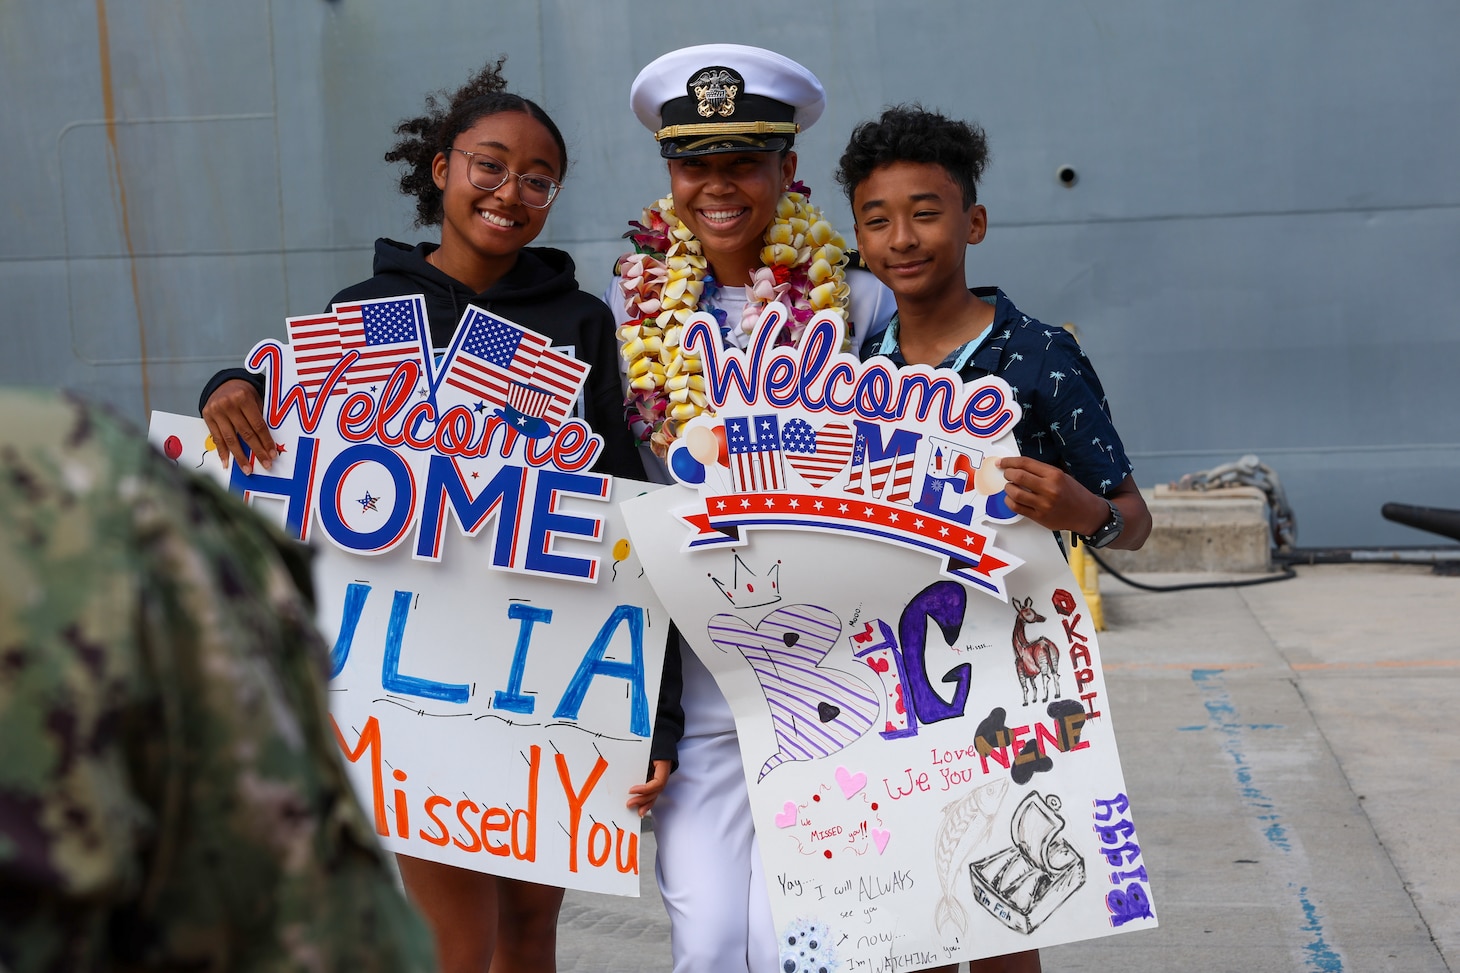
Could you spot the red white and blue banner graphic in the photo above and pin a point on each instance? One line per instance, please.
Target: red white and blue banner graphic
(804, 439)
(965, 552)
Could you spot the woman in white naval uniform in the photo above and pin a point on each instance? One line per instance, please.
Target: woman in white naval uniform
(725, 117)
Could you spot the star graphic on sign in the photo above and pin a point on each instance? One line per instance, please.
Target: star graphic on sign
(842, 508)
(281, 447)
(892, 517)
(745, 505)
(967, 540)
(866, 511)
(719, 504)
(421, 392)
(795, 504)
(479, 407)
(918, 524)
(374, 387)
(475, 475)
(367, 502)
(942, 531)
(817, 505)
(769, 502)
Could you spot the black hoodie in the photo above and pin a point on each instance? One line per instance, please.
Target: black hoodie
(539, 292)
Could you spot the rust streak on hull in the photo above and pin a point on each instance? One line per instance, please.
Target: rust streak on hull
(109, 105)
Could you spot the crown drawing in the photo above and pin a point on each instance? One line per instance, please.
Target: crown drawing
(750, 590)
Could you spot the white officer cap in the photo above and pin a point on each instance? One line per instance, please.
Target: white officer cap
(725, 98)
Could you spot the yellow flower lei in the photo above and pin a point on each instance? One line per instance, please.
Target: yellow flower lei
(803, 266)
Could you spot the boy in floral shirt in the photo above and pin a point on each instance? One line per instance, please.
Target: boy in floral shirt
(912, 177)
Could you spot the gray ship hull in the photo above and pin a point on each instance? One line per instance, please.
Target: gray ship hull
(1258, 249)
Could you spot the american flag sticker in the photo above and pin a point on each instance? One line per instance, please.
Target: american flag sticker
(490, 356)
(315, 343)
(385, 332)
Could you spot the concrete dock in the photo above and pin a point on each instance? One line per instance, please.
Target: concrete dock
(1289, 753)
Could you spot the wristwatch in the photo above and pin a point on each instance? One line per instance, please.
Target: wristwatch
(1109, 530)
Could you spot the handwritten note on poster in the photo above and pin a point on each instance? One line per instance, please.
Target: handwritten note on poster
(915, 679)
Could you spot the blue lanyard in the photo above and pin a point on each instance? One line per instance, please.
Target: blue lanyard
(890, 343)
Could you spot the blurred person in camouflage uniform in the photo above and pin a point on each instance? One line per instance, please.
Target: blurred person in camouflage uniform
(171, 796)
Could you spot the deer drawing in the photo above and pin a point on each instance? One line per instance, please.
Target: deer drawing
(1033, 659)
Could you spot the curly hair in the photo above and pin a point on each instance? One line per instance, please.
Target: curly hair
(910, 133)
(448, 114)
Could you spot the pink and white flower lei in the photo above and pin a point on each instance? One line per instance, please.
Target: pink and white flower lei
(803, 267)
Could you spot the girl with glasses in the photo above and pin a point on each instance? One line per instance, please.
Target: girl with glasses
(485, 166)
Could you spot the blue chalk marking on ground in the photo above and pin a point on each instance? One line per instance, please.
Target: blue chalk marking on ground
(1321, 958)
(1244, 726)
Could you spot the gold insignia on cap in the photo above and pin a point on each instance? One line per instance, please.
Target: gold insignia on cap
(716, 89)
(728, 128)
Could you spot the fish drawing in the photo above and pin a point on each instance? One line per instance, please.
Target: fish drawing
(815, 711)
(966, 824)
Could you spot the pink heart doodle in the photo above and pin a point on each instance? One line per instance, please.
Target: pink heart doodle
(787, 817)
(817, 455)
(879, 838)
(850, 783)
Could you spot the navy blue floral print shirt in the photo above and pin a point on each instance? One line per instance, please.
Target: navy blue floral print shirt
(1066, 420)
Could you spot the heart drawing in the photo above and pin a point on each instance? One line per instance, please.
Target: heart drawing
(814, 711)
(850, 783)
(817, 454)
(787, 817)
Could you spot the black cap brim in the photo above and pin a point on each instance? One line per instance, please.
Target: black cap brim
(697, 145)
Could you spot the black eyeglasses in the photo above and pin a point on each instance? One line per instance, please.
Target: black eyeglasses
(489, 174)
